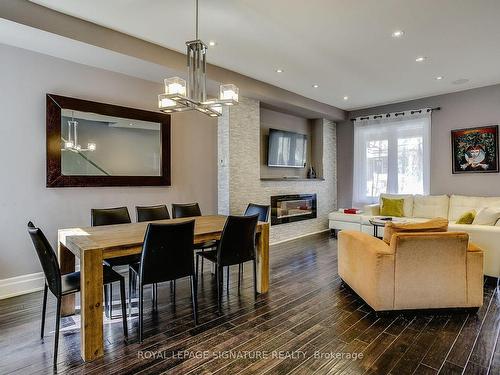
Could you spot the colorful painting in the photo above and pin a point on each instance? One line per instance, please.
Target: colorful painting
(475, 150)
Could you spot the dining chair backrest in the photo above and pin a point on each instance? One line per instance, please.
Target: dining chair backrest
(109, 216)
(167, 252)
(152, 213)
(237, 242)
(185, 210)
(48, 259)
(260, 209)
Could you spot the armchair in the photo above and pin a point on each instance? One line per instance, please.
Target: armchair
(420, 270)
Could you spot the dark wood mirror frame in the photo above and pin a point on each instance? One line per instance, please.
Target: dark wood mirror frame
(55, 178)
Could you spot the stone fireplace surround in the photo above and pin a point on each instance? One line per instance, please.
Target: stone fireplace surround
(239, 181)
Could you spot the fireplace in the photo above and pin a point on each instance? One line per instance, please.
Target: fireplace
(290, 208)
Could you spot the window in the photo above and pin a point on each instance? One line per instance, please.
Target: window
(391, 155)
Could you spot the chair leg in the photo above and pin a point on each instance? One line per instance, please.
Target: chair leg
(106, 299)
(156, 296)
(194, 297)
(174, 290)
(219, 288)
(44, 309)
(240, 274)
(141, 304)
(196, 268)
(124, 307)
(255, 277)
(130, 292)
(202, 251)
(110, 302)
(56, 337)
(227, 279)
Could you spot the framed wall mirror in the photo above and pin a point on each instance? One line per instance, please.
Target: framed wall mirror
(97, 144)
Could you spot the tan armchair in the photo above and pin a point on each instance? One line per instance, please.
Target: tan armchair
(414, 271)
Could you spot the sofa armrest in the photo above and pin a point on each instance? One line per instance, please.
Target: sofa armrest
(487, 237)
(372, 209)
(366, 264)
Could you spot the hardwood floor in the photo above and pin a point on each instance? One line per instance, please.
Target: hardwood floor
(308, 323)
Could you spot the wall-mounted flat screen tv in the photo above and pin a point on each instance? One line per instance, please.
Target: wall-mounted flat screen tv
(287, 149)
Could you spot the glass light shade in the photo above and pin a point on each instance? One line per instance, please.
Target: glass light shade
(229, 92)
(68, 144)
(165, 102)
(91, 146)
(175, 86)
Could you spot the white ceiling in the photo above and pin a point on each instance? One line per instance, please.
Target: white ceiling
(344, 46)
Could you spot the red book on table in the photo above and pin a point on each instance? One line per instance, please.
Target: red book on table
(351, 211)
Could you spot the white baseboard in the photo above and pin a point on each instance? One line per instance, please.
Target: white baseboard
(302, 235)
(23, 284)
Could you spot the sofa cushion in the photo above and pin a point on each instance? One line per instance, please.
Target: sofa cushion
(391, 207)
(430, 206)
(467, 217)
(434, 225)
(487, 216)
(408, 204)
(340, 216)
(461, 203)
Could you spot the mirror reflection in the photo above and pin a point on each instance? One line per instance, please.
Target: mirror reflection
(100, 145)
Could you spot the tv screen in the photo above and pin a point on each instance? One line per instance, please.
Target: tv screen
(286, 149)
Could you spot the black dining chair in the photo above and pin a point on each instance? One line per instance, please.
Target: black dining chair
(236, 245)
(263, 211)
(192, 210)
(167, 254)
(62, 285)
(152, 213)
(112, 216)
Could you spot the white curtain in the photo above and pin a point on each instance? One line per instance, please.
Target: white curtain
(391, 155)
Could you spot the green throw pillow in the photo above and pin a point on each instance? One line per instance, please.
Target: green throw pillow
(467, 217)
(392, 207)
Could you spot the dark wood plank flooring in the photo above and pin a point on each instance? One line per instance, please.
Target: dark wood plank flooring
(309, 323)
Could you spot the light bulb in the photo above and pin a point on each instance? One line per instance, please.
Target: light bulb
(68, 144)
(91, 146)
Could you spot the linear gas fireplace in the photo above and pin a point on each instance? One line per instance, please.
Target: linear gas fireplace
(290, 208)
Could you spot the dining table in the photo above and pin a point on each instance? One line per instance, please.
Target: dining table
(92, 245)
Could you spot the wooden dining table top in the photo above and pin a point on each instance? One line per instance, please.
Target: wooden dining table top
(120, 236)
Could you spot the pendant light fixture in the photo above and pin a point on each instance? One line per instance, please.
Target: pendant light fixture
(71, 143)
(179, 96)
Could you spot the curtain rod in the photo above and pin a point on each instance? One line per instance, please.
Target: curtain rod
(396, 114)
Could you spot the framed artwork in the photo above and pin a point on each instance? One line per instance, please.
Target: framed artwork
(475, 150)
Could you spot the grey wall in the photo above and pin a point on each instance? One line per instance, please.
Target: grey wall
(463, 109)
(25, 78)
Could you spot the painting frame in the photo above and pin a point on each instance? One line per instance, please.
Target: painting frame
(475, 150)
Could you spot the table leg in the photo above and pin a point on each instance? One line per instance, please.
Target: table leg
(91, 310)
(67, 265)
(263, 260)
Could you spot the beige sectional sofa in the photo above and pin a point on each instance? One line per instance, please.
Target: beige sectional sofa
(418, 208)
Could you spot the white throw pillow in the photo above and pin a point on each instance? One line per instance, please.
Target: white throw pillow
(487, 216)
(430, 206)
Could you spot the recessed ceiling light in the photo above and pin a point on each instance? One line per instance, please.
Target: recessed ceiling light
(315, 86)
(212, 43)
(346, 97)
(398, 34)
(439, 78)
(420, 58)
(279, 70)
